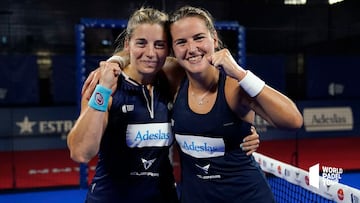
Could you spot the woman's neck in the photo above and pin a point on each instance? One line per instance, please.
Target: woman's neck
(143, 79)
(203, 81)
(202, 91)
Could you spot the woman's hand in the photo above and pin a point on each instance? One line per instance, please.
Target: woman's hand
(94, 78)
(224, 60)
(251, 142)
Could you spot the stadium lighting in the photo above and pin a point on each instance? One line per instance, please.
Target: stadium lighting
(334, 1)
(294, 2)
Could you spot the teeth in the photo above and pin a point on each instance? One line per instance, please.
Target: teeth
(195, 58)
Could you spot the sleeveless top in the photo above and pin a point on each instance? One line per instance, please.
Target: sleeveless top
(213, 166)
(133, 160)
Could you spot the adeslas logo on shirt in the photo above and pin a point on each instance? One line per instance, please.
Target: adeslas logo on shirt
(147, 135)
(199, 148)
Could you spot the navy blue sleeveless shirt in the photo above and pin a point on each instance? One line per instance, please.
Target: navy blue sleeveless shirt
(133, 160)
(214, 168)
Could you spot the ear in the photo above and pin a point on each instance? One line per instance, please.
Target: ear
(216, 40)
(126, 44)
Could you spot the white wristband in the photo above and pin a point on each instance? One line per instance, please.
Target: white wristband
(251, 84)
(117, 59)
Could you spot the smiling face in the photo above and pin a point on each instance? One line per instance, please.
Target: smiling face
(192, 41)
(148, 50)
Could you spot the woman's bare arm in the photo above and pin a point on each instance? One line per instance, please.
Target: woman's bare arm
(84, 138)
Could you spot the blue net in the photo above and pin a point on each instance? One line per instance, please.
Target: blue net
(292, 184)
(285, 192)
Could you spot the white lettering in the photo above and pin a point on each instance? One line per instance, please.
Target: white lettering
(327, 169)
(209, 177)
(151, 174)
(57, 126)
(331, 175)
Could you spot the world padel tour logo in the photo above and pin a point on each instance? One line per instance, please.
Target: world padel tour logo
(330, 175)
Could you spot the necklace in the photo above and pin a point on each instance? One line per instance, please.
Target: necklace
(202, 100)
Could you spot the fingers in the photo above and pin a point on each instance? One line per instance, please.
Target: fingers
(102, 63)
(250, 152)
(249, 148)
(111, 66)
(93, 79)
(251, 142)
(249, 145)
(214, 62)
(252, 136)
(117, 72)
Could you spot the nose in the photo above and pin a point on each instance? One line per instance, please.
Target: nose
(191, 47)
(150, 51)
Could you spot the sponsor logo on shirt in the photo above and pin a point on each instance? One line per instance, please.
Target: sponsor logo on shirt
(151, 174)
(127, 108)
(149, 135)
(146, 164)
(205, 170)
(201, 147)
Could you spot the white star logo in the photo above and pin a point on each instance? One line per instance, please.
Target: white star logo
(204, 168)
(147, 163)
(26, 126)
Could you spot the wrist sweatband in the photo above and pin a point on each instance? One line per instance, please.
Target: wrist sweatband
(251, 84)
(117, 59)
(100, 98)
